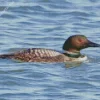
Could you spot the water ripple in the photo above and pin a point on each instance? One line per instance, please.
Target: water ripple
(47, 24)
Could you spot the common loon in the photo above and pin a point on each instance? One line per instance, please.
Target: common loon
(71, 47)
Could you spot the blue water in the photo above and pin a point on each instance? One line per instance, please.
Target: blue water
(47, 24)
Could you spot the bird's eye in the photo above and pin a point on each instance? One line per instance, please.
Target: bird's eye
(80, 40)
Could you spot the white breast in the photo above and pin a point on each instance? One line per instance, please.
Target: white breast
(81, 59)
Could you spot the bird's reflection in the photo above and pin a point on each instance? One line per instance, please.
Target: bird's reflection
(72, 64)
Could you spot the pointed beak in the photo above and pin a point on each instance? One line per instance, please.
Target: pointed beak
(92, 44)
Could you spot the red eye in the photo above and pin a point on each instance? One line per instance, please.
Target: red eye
(80, 40)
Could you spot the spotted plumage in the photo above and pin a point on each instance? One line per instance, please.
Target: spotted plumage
(37, 55)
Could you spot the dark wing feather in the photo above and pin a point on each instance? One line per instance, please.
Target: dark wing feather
(36, 54)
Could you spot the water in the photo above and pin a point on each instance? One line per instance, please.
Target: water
(47, 24)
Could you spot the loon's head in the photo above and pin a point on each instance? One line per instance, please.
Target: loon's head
(76, 43)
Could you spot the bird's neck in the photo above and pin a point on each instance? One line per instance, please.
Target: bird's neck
(73, 50)
(72, 53)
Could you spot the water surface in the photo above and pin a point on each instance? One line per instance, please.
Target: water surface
(47, 24)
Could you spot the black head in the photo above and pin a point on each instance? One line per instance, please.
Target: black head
(78, 42)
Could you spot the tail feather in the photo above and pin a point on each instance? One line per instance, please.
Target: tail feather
(4, 56)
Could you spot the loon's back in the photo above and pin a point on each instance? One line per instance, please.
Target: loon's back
(37, 55)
